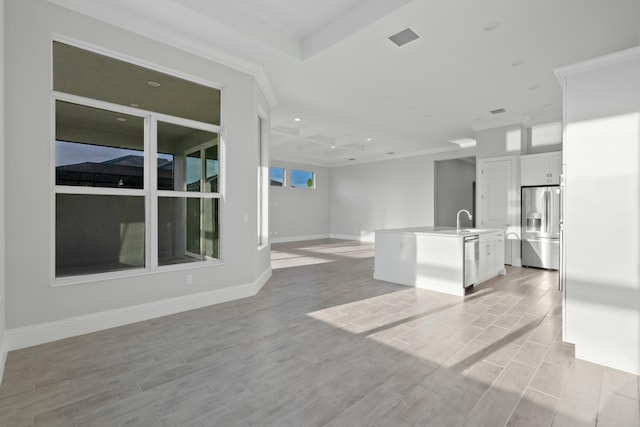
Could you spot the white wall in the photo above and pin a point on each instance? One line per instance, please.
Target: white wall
(453, 191)
(544, 138)
(300, 213)
(387, 194)
(29, 207)
(602, 210)
(2, 196)
(501, 141)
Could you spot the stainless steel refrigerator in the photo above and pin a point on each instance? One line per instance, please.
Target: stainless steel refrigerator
(541, 227)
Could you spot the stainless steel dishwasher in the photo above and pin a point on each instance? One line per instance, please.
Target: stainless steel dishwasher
(471, 259)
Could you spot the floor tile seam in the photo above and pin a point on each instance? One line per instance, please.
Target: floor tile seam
(561, 393)
(627, 397)
(513, 410)
(487, 391)
(352, 405)
(542, 392)
(533, 376)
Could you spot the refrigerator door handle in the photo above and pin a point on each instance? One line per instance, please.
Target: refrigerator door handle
(547, 211)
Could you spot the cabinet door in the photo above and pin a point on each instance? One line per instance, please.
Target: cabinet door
(495, 190)
(499, 254)
(482, 264)
(491, 258)
(555, 169)
(535, 171)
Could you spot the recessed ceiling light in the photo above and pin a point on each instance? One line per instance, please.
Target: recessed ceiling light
(391, 152)
(490, 26)
(497, 111)
(153, 83)
(534, 87)
(518, 62)
(333, 146)
(351, 158)
(368, 139)
(297, 119)
(121, 119)
(134, 105)
(403, 37)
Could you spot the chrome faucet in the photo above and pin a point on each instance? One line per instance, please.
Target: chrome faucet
(458, 218)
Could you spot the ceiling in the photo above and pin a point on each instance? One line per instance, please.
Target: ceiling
(358, 96)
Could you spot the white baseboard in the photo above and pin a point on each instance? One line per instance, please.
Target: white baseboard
(364, 238)
(3, 354)
(52, 331)
(298, 238)
(634, 370)
(262, 280)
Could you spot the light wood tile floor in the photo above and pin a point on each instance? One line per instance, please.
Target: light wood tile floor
(325, 344)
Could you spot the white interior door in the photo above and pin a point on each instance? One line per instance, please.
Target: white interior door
(499, 202)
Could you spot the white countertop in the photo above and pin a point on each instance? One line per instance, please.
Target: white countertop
(441, 231)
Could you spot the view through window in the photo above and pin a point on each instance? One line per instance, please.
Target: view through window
(114, 181)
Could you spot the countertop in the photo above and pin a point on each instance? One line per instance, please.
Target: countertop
(441, 231)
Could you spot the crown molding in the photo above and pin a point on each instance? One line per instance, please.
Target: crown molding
(507, 121)
(604, 61)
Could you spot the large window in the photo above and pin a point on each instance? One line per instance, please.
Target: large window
(137, 166)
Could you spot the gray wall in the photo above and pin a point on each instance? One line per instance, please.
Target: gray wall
(387, 194)
(2, 193)
(30, 208)
(453, 191)
(299, 213)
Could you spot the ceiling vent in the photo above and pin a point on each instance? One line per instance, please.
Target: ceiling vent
(403, 37)
(498, 111)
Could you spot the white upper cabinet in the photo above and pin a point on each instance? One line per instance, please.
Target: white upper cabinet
(541, 169)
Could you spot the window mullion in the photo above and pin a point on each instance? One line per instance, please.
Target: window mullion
(203, 181)
(151, 187)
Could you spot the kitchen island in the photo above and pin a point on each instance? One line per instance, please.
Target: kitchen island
(435, 258)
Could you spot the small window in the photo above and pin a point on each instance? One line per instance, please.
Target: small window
(302, 179)
(276, 177)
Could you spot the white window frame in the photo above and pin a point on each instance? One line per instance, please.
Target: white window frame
(150, 190)
(203, 172)
(263, 184)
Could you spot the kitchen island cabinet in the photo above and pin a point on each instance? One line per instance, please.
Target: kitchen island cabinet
(434, 258)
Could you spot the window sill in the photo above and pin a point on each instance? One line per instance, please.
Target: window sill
(104, 277)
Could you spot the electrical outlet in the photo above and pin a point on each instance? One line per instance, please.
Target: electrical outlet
(189, 279)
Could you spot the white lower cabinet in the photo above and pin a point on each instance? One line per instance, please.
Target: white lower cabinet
(491, 255)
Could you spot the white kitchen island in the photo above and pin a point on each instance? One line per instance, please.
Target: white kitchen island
(433, 258)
